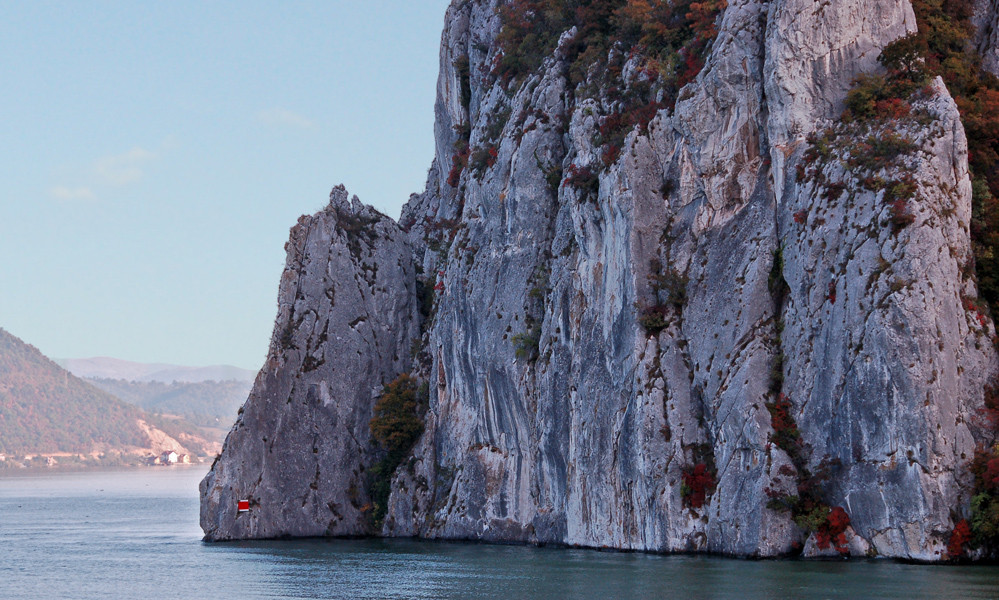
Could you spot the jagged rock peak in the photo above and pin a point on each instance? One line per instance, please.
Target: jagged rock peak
(338, 198)
(339, 203)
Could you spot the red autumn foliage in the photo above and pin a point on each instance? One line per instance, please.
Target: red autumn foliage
(992, 473)
(642, 114)
(800, 216)
(901, 214)
(583, 179)
(892, 108)
(693, 62)
(985, 468)
(702, 16)
(833, 191)
(991, 409)
(611, 124)
(833, 531)
(610, 155)
(977, 311)
(959, 539)
(786, 434)
(458, 163)
(699, 484)
(616, 126)
(943, 45)
(656, 29)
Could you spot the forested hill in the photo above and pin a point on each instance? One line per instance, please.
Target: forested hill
(45, 409)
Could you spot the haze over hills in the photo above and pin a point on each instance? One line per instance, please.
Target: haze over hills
(114, 368)
(44, 409)
(205, 403)
(206, 396)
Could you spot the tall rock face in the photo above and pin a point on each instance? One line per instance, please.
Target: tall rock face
(614, 326)
(300, 447)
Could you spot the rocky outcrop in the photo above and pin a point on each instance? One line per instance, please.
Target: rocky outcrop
(986, 21)
(299, 449)
(886, 364)
(560, 414)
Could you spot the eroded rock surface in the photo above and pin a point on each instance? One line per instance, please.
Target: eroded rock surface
(555, 414)
(299, 449)
(986, 21)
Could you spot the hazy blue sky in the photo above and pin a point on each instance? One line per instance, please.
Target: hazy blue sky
(155, 154)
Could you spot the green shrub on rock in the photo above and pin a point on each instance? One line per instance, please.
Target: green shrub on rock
(396, 425)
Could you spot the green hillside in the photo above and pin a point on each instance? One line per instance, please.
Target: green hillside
(43, 408)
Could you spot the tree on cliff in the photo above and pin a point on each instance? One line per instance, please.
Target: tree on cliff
(396, 426)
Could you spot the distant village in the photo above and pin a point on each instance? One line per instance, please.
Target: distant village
(171, 458)
(163, 459)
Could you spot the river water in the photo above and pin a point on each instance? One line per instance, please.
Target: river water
(134, 534)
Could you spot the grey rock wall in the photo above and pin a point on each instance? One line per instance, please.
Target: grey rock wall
(300, 447)
(986, 20)
(582, 437)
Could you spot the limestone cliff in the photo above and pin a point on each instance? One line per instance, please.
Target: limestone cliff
(620, 313)
(299, 449)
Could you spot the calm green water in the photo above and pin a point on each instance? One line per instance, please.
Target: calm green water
(134, 534)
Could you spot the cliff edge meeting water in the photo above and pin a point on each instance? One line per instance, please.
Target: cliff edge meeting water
(574, 299)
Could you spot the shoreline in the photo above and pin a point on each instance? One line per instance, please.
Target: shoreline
(600, 549)
(77, 468)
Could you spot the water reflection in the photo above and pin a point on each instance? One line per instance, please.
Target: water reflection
(419, 569)
(135, 535)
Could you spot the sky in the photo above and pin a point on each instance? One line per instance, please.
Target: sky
(153, 156)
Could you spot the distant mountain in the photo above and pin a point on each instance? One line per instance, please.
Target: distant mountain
(114, 368)
(44, 409)
(206, 403)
